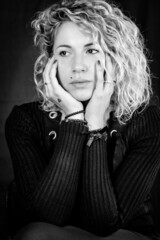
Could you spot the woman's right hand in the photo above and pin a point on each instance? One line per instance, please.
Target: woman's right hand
(56, 93)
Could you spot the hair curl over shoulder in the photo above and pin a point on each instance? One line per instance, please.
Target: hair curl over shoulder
(118, 36)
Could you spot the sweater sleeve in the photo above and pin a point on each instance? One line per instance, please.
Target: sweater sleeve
(136, 174)
(110, 202)
(50, 190)
(99, 212)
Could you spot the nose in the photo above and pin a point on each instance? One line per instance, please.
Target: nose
(79, 65)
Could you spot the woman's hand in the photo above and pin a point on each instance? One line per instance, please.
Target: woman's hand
(99, 107)
(56, 93)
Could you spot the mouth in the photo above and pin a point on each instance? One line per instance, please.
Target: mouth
(80, 83)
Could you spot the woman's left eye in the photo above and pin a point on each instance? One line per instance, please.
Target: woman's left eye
(92, 51)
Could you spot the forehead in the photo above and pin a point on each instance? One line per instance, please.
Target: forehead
(71, 33)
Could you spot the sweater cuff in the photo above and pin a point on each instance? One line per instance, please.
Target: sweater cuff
(74, 126)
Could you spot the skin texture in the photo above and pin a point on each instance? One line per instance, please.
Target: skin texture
(80, 66)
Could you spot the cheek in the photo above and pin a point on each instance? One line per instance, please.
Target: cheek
(63, 73)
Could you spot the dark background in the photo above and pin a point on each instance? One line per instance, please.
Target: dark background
(18, 55)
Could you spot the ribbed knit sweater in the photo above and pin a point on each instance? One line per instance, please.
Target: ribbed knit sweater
(100, 188)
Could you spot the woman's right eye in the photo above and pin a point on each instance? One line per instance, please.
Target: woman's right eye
(64, 53)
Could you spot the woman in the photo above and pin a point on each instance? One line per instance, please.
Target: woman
(86, 155)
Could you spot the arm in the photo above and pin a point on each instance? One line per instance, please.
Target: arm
(99, 205)
(112, 202)
(49, 189)
(136, 175)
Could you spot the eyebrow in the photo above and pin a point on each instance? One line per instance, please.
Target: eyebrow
(68, 46)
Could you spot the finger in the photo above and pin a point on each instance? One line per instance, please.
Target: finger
(46, 77)
(109, 80)
(99, 75)
(109, 76)
(55, 88)
(47, 70)
(53, 74)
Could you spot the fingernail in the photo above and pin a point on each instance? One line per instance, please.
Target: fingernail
(99, 63)
(104, 73)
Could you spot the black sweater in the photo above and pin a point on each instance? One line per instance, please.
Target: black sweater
(100, 188)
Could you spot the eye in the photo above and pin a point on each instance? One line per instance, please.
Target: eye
(64, 53)
(92, 51)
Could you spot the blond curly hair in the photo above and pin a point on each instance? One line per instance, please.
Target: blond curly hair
(118, 36)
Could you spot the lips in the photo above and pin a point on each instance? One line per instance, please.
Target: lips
(81, 84)
(80, 81)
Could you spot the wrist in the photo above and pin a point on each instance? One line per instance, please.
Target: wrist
(96, 126)
(79, 116)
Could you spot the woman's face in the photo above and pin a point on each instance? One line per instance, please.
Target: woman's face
(77, 54)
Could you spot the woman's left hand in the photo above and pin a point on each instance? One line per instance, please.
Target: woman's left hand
(98, 108)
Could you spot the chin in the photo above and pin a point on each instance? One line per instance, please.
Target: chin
(82, 96)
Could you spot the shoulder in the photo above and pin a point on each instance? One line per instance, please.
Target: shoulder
(144, 117)
(25, 109)
(145, 122)
(28, 108)
(29, 118)
(24, 116)
(149, 116)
